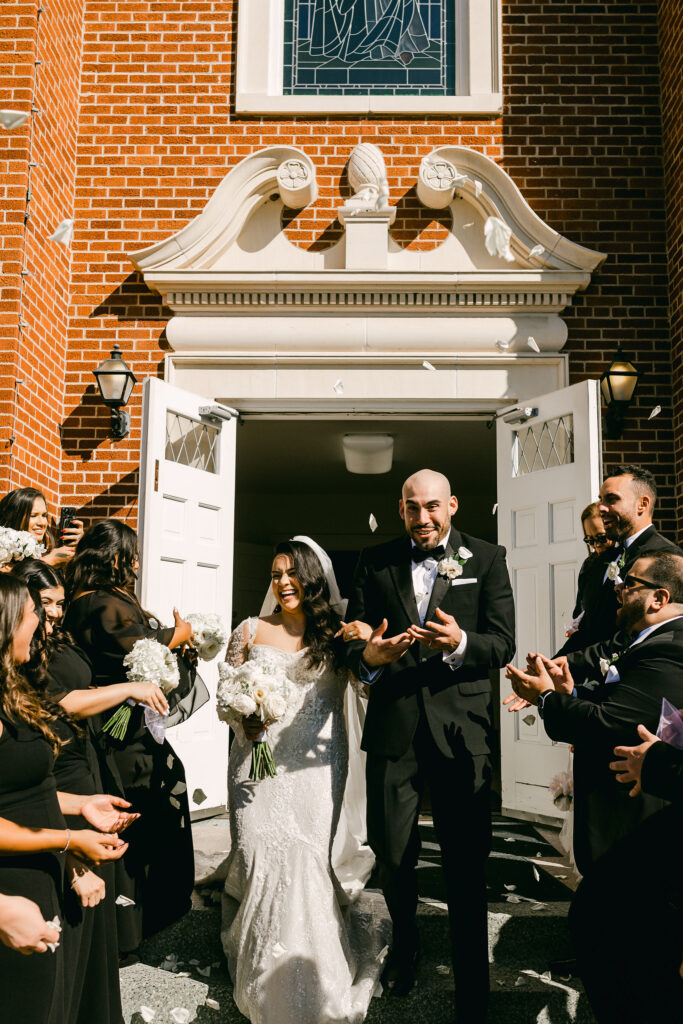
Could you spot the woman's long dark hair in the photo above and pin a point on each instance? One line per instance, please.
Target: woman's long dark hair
(105, 557)
(16, 507)
(40, 576)
(18, 699)
(322, 622)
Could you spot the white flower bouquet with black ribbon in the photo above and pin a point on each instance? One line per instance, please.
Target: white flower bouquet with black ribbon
(209, 634)
(148, 662)
(562, 790)
(253, 691)
(16, 545)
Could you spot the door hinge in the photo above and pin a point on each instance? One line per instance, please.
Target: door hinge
(156, 474)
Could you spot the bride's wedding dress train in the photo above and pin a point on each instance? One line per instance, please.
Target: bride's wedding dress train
(301, 938)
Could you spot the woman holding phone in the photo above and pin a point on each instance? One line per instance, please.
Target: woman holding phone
(26, 509)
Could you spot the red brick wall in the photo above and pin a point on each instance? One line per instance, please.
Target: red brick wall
(671, 46)
(580, 134)
(41, 65)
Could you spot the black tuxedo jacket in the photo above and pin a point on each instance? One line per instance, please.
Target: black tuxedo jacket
(455, 702)
(599, 601)
(608, 717)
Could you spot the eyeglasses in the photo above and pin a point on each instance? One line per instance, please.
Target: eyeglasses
(598, 539)
(630, 582)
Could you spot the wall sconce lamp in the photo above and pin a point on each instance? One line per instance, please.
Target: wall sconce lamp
(115, 379)
(368, 453)
(618, 384)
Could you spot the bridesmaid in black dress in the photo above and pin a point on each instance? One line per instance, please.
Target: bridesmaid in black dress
(106, 620)
(33, 833)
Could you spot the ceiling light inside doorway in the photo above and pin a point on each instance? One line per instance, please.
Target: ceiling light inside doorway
(368, 453)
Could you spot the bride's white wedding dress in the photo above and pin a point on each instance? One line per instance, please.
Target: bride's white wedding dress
(301, 938)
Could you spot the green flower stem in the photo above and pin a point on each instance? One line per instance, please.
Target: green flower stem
(262, 763)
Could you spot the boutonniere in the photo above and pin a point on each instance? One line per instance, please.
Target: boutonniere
(606, 663)
(451, 568)
(615, 567)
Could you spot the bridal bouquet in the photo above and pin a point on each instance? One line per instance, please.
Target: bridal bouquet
(208, 635)
(562, 790)
(253, 690)
(16, 545)
(148, 662)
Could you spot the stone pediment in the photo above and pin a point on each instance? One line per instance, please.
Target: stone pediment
(234, 260)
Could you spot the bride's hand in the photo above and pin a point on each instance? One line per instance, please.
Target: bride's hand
(253, 727)
(355, 630)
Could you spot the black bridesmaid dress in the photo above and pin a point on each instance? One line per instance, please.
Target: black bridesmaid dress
(157, 870)
(92, 990)
(32, 988)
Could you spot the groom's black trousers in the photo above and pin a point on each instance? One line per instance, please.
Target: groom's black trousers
(459, 789)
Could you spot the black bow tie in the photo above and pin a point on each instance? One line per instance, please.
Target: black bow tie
(418, 555)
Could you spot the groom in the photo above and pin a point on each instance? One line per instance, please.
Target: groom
(443, 604)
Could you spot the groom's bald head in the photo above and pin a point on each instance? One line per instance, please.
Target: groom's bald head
(426, 507)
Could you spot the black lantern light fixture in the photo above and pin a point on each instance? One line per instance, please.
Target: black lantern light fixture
(618, 384)
(115, 379)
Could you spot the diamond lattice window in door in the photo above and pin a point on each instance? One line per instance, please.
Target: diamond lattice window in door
(543, 445)
(191, 443)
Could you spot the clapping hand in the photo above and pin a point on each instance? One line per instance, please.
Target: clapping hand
(355, 630)
(103, 813)
(444, 635)
(631, 767)
(23, 927)
(527, 686)
(555, 672)
(379, 651)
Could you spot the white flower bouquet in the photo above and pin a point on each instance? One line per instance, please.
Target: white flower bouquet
(148, 662)
(562, 790)
(16, 545)
(209, 634)
(253, 691)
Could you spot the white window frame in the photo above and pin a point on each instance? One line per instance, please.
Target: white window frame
(260, 55)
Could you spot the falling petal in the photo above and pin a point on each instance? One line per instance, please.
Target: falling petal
(477, 187)
(204, 971)
(63, 233)
(533, 344)
(521, 980)
(510, 888)
(124, 901)
(537, 250)
(536, 874)
(561, 876)
(147, 1014)
(11, 119)
(179, 788)
(183, 974)
(179, 1015)
(199, 796)
(497, 237)
(213, 1004)
(510, 839)
(502, 345)
(538, 906)
(372, 522)
(470, 224)
(529, 719)
(382, 954)
(338, 386)
(512, 899)
(494, 509)
(443, 969)
(655, 412)
(427, 365)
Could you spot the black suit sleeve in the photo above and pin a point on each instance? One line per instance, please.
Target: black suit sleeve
(662, 773)
(612, 722)
(493, 644)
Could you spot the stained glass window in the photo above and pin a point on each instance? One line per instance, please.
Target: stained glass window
(379, 46)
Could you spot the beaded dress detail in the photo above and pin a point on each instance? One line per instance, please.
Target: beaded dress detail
(300, 934)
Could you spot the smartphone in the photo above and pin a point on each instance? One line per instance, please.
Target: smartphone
(65, 517)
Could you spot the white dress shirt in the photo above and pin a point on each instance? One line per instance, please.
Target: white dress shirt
(424, 577)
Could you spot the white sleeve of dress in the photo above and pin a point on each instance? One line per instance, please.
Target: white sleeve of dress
(236, 654)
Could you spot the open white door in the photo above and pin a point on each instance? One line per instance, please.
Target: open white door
(186, 529)
(549, 469)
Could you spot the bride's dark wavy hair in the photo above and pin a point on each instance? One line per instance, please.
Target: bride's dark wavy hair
(322, 622)
(104, 557)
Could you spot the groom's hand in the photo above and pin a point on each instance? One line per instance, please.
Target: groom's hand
(444, 635)
(381, 651)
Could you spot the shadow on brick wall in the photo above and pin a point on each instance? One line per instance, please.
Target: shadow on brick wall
(86, 426)
(121, 497)
(133, 300)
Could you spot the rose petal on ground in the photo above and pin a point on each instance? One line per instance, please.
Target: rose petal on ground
(147, 1014)
(443, 969)
(536, 874)
(521, 980)
(179, 1015)
(204, 971)
(213, 1004)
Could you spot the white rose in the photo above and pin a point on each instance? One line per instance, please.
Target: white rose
(274, 707)
(604, 665)
(242, 704)
(464, 553)
(455, 571)
(613, 571)
(208, 649)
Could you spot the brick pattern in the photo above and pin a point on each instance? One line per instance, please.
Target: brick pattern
(580, 135)
(671, 70)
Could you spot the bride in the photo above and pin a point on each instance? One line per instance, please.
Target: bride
(303, 941)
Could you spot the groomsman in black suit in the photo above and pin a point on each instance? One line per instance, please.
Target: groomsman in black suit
(627, 502)
(595, 699)
(443, 608)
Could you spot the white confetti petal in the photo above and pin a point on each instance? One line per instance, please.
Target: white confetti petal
(52, 946)
(427, 365)
(655, 412)
(213, 1004)
(521, 980)
(372, 522)
(538, 906)
(497, 237)
(512, 899)
(529, 719)
(199, 796)
(561, 876)
(183, 974)
(470, 224)
(494, 509)
(537, 250)
(63, 233)
(502, 345)
(382, 955)
(179, 788)
(443, 969)
(278, 950)
(204, 971)
(11, 119)
(195, 963)
(536, 874)
(56, 923)
(124, 901)
(510, 888)
(477, 187)
(533, 344)
(179, 1015)
(147, 1014)
(509, 839)
(338, 387)
(547, 976)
